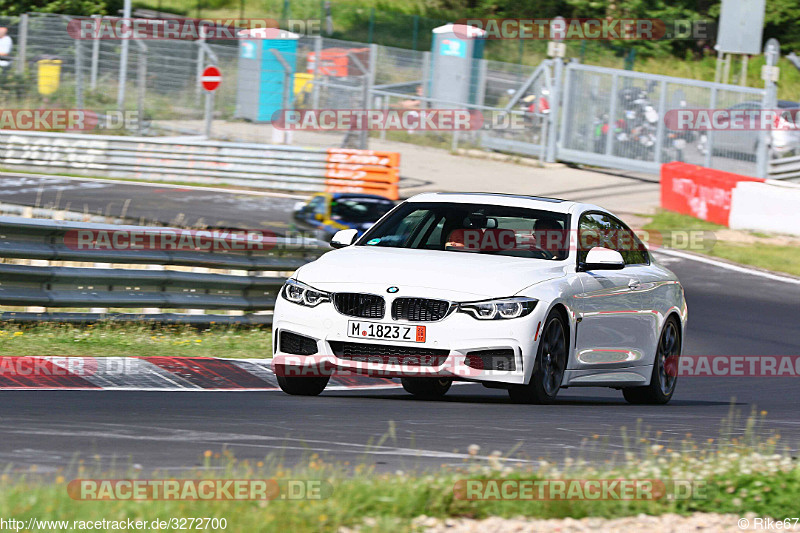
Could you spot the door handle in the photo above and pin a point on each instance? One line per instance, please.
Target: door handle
(633, 284)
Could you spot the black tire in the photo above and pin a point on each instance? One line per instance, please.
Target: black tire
(303, 386)
(662, 384)
(551, 362)
(428, 388)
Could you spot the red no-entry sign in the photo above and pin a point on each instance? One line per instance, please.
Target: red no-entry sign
(211, 78)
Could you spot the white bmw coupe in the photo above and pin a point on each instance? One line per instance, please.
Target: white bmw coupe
(523, 293)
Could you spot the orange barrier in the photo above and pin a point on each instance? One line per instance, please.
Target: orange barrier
(365, 171)
(701, 192)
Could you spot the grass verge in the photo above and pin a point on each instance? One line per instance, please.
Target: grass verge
(748, 474)
(133, 340)
(758, 250)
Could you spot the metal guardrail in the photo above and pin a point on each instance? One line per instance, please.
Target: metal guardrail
(784, 168)
(132, 288)
(274, 167)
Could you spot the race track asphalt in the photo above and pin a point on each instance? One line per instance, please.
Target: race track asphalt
(150, 203)
(730, 313)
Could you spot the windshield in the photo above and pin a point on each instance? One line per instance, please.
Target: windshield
(473, 228)
(360, 209)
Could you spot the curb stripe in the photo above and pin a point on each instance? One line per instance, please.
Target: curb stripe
(36, 373)
(209, 373)
(156, 374)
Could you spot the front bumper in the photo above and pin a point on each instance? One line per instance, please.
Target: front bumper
(454, 339)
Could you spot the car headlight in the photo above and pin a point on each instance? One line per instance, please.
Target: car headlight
(301, 294)
(500, 308)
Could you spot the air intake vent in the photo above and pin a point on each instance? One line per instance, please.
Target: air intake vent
(386, 354)
(360, 305)
(419, 309)
(491, 359)
(297, 344)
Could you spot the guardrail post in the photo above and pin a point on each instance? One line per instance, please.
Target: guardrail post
(480, 95)
(368, 83)
(78, 74)
(37, 308)
(772, 52)
(236, 312)
(566, 101)
(426, 72)
(152, 310)
(317, 61)
(661, 125)
(385, 106)
(100, 309)
(123, 62)
(200, 66)
(555, 106)
(95, 53)
(142, 88)
(22, 46)
(197, 311)
(712, 104)
(612, 112)
(286, 98)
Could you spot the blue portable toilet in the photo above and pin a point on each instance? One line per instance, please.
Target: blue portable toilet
(455, 72)
(261, 77)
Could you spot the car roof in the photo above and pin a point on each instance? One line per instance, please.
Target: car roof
(338, 195)
(543, 203)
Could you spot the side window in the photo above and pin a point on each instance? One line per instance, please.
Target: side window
(629, 245)
(592, 230)
(317, 205)
(410, 230)
(597, 229)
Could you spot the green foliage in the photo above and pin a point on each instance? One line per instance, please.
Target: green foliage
(134, 340)
(746, 474)
(780, 254)
(67, 7)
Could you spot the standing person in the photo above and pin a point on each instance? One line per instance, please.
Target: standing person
(5, 48)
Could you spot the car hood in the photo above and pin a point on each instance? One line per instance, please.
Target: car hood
(479, 275)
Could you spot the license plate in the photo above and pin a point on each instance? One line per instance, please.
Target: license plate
(392, 332)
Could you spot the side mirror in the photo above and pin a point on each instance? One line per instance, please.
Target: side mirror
(602, 259)
(343, 238)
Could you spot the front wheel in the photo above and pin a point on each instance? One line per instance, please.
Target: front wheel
(303, 386)
(551, 362)
(428, 388)
(662, 383)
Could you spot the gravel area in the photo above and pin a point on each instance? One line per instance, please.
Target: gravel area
(667, 523)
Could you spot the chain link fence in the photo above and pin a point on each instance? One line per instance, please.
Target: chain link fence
(584, 114)
(616, 118)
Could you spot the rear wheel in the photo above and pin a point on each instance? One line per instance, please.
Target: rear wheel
(428, 388)
(302, 386)
(662, 383)
(551, 362)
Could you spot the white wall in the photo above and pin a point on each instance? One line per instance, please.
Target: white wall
(770, 206)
